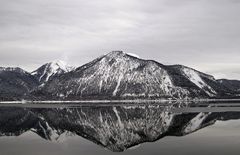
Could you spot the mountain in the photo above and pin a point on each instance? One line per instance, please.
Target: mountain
(15, 83)
(118, 75)
(49, 70)
(233, 85)
(199, 84)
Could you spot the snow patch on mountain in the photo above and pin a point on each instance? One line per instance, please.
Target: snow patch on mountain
(118, 84)
(194, 77)
(133, 54)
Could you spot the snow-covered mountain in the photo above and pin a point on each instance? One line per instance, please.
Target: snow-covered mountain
(118, 75)
(198, 83)
(49, 70)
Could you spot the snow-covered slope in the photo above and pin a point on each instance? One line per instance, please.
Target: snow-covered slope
(49, 70)
(195, 77)
(118, 75)
(200, 85)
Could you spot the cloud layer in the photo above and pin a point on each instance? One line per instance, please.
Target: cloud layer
(199, 33)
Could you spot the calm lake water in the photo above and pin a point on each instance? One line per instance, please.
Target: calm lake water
(126, 129)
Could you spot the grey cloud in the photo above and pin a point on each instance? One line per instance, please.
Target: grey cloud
(197, 33)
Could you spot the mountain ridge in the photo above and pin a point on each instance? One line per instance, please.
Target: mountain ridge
(15, 83)
(118, 75)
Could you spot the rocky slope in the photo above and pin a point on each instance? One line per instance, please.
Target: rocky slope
(233, 85)
(118, 75)
(15, 83)
(50, 70)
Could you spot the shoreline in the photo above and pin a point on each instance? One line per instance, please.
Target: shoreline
(117, 101)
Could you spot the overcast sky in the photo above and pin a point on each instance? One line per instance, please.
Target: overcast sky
(203, 34)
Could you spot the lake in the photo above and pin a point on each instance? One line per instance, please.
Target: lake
(120, 128)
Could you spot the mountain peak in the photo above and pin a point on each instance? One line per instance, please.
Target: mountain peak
(121, 53)
(59, 64)
(114, 54)
(50, 69)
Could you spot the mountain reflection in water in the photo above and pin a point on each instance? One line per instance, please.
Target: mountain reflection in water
(116, 127)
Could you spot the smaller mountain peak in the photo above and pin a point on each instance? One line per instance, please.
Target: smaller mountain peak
(59, 64)
(50, 69)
